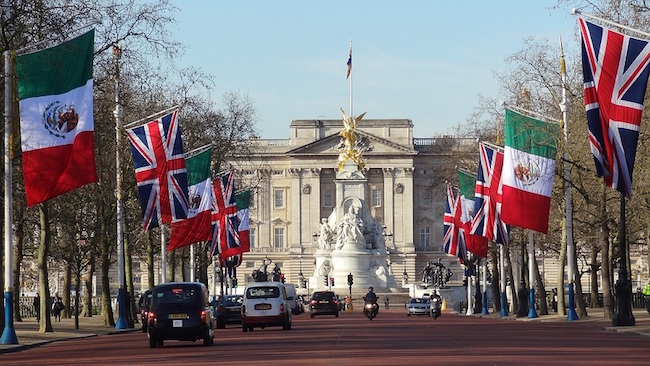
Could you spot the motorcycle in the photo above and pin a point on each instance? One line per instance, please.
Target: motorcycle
(370, 309)
(435, 307)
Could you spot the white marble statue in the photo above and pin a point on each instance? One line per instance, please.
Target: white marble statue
(326, 235)
(351, 229)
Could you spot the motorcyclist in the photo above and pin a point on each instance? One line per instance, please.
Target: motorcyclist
(370, 296)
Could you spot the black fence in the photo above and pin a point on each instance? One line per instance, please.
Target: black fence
(27, 309)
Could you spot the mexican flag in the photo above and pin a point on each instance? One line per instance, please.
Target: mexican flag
(243, 202)
(55, 89)
(528, 170)
(467, 186)
(198, 226)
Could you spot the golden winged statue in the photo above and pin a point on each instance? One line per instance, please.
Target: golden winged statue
(350, 150)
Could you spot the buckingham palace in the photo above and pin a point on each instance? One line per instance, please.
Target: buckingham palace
(295, 191)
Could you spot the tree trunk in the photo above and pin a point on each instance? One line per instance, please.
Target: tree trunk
(541, 289)
(43, 282)
(107, 308)
(594, 265)
(561, 305)
(496, 277)
(67, 285)
(171, 266)
(77, 284)
(581, 308)
(184, 266)
(606, 267)
(88, 288)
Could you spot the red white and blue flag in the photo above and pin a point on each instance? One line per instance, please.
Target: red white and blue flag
(454, 238)
(488, 198)
(160, 170)
(225, 240)
(615, 68)
(347, 75)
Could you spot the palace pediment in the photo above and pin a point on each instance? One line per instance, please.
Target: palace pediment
(374, 145)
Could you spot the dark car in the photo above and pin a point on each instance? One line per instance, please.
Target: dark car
(323, 303)
(228, 310)
(145, 303)
(180, 311)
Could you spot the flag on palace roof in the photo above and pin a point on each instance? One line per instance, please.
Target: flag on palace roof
(160, 170)
(528, 170)
(197, 227)
(615, 69)
(55, 89)
(488, 196)
(349, 64)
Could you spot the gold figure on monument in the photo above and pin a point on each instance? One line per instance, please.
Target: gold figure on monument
(350, 150)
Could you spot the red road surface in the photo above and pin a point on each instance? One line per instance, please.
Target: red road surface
(391, 339)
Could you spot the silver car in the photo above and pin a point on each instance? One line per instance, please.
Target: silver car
(418, 306)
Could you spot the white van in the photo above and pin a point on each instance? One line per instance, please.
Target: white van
(265, 304)
(292, 296)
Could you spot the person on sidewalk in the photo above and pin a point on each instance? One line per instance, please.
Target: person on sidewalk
(57, 308)
(37, 307)
(387, 302)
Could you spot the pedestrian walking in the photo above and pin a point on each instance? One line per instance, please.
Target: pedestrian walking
(37, 307)
(387, 303)
(57, 308)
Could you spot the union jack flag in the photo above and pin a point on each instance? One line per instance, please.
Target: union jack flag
(487, 198)
(615, 68)
(160, 170)
(225, 223)
(454, 238)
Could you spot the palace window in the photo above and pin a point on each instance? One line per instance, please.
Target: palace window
(425, 237)
(328, 198)
(251, 234)
(278, 198)
(376, 197)
(278, 237)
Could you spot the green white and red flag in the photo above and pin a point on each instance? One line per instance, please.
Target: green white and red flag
(55, 92)
(528, 170)
(197, 227)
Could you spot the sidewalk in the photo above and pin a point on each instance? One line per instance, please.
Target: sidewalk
(29, 336)
(641, 319)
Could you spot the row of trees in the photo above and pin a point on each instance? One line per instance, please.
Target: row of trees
(77, 231)
(533, 81)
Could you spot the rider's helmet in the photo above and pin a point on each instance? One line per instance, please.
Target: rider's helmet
(370, 289)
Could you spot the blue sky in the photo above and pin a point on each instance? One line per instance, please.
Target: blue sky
(427, 61)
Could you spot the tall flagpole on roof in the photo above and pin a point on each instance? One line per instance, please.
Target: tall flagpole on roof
(349, 76)
(118, 113)
(568, 205)
(9, 333)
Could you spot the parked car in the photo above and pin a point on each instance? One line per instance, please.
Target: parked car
(145, 303)
(265, 304)
(341, 302)
(228, 310)
(323, 303)
(418, 306)
(179, 311)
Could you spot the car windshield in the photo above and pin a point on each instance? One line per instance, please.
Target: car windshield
(231, 300)
(323, 295)
(419, 301)
(177, 295)
(262, 292)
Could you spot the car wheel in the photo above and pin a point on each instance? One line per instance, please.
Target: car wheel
(337, 314)
(250, 328)
(408, 314)
(152, 342)
(221, 325)
(311, 315)
(160, 343)
(244, 328)
(207, 341)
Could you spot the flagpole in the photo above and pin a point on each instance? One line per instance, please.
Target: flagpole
(504, 298)
(149, 117)
(577, 12)
(192, 264)
(9, 333)
(532, 313)
(485, 302)
(568, 204)
(163, 255)
(351, 76)
(118, 113)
